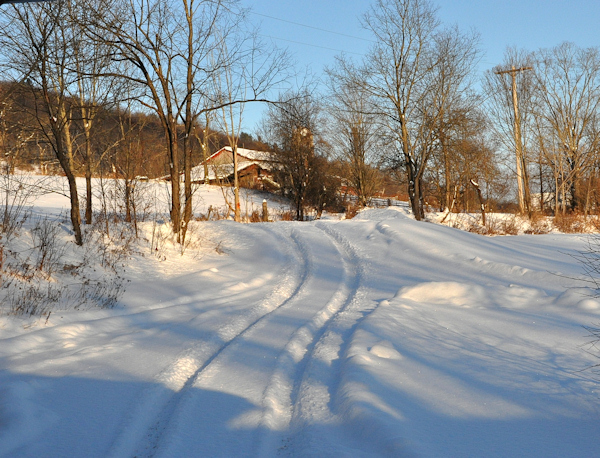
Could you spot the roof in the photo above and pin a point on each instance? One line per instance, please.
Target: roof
(222, 171)
(246, 158)
(249, 154)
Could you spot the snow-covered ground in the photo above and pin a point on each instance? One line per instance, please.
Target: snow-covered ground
(376, 336)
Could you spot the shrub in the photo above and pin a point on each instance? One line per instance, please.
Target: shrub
(255, 217)
(351, 211)
(287, 215)
(538, 224)
(49, 272)
(569, 223)
(509, 226)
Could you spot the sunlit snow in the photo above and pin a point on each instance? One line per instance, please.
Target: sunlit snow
(376, 336)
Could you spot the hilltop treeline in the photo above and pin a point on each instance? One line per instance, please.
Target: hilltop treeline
(124, 144)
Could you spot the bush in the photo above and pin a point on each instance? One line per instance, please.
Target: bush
(570, 223)
(509, 226)
(43, 270)
(351, 211)
(255, 217)
(287, 215)
(538, 224)
(15, 195)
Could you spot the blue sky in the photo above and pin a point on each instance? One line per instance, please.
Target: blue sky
(526, 24)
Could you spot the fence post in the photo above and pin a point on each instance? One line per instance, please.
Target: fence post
(265, 211)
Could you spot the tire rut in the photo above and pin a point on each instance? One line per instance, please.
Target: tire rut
(302, 309)
(284, 399)
(142, 433)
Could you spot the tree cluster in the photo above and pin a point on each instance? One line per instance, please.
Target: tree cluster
(132, 88)
(558, 93)
(158, 57)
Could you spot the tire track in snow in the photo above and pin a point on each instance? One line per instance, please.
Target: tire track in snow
(315, 301)
(292, 396)
(142, 432)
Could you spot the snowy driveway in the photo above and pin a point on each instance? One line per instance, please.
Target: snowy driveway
(378, 336)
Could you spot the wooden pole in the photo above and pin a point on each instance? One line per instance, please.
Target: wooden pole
(522, 176)
(265, 211)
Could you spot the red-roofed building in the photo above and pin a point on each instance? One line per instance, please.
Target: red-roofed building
(254, 168)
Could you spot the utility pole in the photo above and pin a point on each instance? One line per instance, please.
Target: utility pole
(522, 176)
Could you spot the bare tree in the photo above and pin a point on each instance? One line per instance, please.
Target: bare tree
(414, 72)
(93, 93)
(462, 154)
(356, 134)
(147, 35)
(568, 112)
(293, 127)
(176, 48)
(231, 121)
(39, 41)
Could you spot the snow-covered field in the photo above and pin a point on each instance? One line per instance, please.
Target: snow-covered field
(376, 336)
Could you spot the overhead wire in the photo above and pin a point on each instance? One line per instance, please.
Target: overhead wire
(314, 28)
(314, 46)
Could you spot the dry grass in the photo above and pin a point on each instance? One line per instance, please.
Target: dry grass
(255, 217)
(538, 224)
(287, 215)
(351, 211)
(570, 223)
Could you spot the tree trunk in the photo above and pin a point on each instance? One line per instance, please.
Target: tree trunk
(187, 185)
(128, 199)
(175, 210)
(88, 191)
(64, 153)
(481, 201)
(414, 191)
(75, 215)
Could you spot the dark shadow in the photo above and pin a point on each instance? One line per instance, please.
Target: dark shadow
(85, 417)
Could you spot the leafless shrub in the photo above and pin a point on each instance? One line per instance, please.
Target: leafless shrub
(15, 196)
(594, 222)
(255, 217)
(43, 278)
(287, 215)
(112, 241)
(570, 223)
(476, 228)
(504, 225)
(103, 293)
(351, 211)
(219, 248)
(509, 226)
(33, 299)
(205, 217)
(159, 240)
(215, 214)
(590, 261)
(538, 224)
(47, 249)
(593, 345)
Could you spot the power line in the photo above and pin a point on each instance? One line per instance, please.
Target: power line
(314, 46)
(314, 28)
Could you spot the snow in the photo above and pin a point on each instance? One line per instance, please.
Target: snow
(376, 336)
